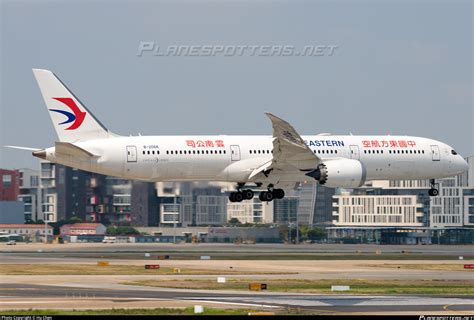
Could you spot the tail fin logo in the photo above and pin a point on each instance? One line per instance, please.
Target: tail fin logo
(76, 116)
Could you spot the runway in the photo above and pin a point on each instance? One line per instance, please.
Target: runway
(219, 249)
(53, 290)
(14, 295)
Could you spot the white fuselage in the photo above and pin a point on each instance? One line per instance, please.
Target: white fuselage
(232, 158)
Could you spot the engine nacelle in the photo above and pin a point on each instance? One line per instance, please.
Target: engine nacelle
(343, 173)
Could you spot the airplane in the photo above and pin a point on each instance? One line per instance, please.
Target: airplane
(269, 164)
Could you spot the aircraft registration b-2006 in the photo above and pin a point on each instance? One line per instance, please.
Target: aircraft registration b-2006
(270, 164)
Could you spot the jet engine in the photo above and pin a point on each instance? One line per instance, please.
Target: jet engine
(343, 173)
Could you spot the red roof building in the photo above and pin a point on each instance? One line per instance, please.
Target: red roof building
(82, 229)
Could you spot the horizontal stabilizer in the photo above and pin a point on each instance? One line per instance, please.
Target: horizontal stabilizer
(23, 148)
(69, 149)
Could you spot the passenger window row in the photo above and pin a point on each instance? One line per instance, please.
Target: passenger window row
(271, 151)
(325, 151)
(187, 152)
(396, 151)
(151, 152)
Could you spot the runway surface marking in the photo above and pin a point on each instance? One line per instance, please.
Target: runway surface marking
(231, 303)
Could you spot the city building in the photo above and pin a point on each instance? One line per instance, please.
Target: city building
(30, 194)
(261, 234)
(192, 204)
(31, 232)
(377, 210)
(9, 189)
(47, 177)
(117, 201)
(144, 204)
(314, 204)
(285, 210)
(323, 205)
(250, 211)
(98, 198)
(82, 229)
(210, 206)
(400, 211)
(11, 212)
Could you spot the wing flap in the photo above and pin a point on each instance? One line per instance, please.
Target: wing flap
(262, 168)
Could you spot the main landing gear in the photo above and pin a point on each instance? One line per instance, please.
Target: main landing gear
(433, 192)
(241, 195)
(248, 194)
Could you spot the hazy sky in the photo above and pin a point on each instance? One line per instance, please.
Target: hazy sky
(401, 67)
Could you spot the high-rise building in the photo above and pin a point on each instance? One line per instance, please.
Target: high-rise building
(192, 203)
(250, 211)
(30, 194)
(9, 188)
(48, 192)
(467, 181)
(307, 202)
(144, 210)
(116, 198)
(285, 210)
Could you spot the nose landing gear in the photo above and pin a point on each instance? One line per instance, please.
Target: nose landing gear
(433, 192)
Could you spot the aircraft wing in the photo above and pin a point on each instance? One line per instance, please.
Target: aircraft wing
(289, 148)
(290, 152)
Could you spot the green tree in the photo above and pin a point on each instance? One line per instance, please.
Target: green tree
(121, 231)
(111, 231)
(283, 231)
(234, 222)
(74, 220)
(316, 233)
(303, 232)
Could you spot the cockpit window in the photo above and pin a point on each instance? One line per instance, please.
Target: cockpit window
(454, 152)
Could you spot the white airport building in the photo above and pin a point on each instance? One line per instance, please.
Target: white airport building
(379, 210)
(251, 211)
(403, 207)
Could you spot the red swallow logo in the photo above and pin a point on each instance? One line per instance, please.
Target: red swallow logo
(76, 117)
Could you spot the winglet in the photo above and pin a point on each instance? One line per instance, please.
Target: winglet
(282, 129)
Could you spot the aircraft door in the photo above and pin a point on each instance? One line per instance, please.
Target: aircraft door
(355, 152)
(131, 154)
(435, 153)
(234, 153)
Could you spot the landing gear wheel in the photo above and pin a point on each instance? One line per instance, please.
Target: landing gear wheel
(236, 197)
(248, 194)
(278, 193)
(434, 188)
(266, 196)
